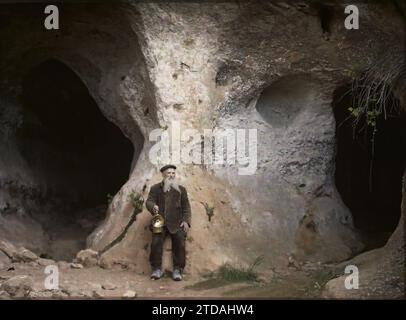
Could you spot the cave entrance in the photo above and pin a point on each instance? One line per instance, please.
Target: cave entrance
(76, 156)
(369, 174)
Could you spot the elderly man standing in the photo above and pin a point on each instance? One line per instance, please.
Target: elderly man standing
(170, 200)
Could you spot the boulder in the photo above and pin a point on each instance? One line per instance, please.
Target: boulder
(4, 295)
(18, 286)
(88, 257)
(97, 294)
(108, 286)
(45, 262)
(8, 248)
(63, 265)
(130, 294)
(17, 254)
(25, 255)
(5, 261)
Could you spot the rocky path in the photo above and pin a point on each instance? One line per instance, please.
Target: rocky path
(25, 275)
(26, 280)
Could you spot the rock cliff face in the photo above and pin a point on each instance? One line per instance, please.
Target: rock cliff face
(273, 67)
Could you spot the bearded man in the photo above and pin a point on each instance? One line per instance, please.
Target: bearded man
(170, 200)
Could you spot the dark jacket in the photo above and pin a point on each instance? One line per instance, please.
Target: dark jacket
(178, 208)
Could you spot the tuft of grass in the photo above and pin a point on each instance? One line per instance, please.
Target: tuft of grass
(373, 99)
(319, 281)
(227, 274)
(239, 274)
(372, 90)
(235, 274)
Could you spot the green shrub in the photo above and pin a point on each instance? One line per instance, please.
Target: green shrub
(237, 274)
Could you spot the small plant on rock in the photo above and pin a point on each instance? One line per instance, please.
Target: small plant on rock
(209, 210)
(372, 95)
(137, 202)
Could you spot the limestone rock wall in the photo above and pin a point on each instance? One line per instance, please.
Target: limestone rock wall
(264, 66)
(239, 72)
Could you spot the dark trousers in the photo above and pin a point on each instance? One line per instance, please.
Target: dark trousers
(178, 249)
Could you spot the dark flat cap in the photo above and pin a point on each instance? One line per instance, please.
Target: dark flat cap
(168, 166)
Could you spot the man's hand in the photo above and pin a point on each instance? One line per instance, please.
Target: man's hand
(155, 209)
(185, 226)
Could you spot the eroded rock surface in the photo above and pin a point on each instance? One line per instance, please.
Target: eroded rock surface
(273, 67)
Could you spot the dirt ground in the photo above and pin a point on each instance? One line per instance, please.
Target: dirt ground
(98, 283)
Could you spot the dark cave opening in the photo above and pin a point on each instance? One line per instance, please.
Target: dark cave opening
(326, 14)
(78, 158)
(369, 171)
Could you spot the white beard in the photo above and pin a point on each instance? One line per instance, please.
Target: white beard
(170, 183)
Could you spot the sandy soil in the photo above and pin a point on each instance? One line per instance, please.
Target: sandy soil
(96, 282)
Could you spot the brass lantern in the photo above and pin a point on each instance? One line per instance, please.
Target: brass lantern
(157, 223)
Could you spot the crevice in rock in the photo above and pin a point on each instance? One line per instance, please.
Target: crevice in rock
(326, 14)
(369, 175)
(120, 236)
